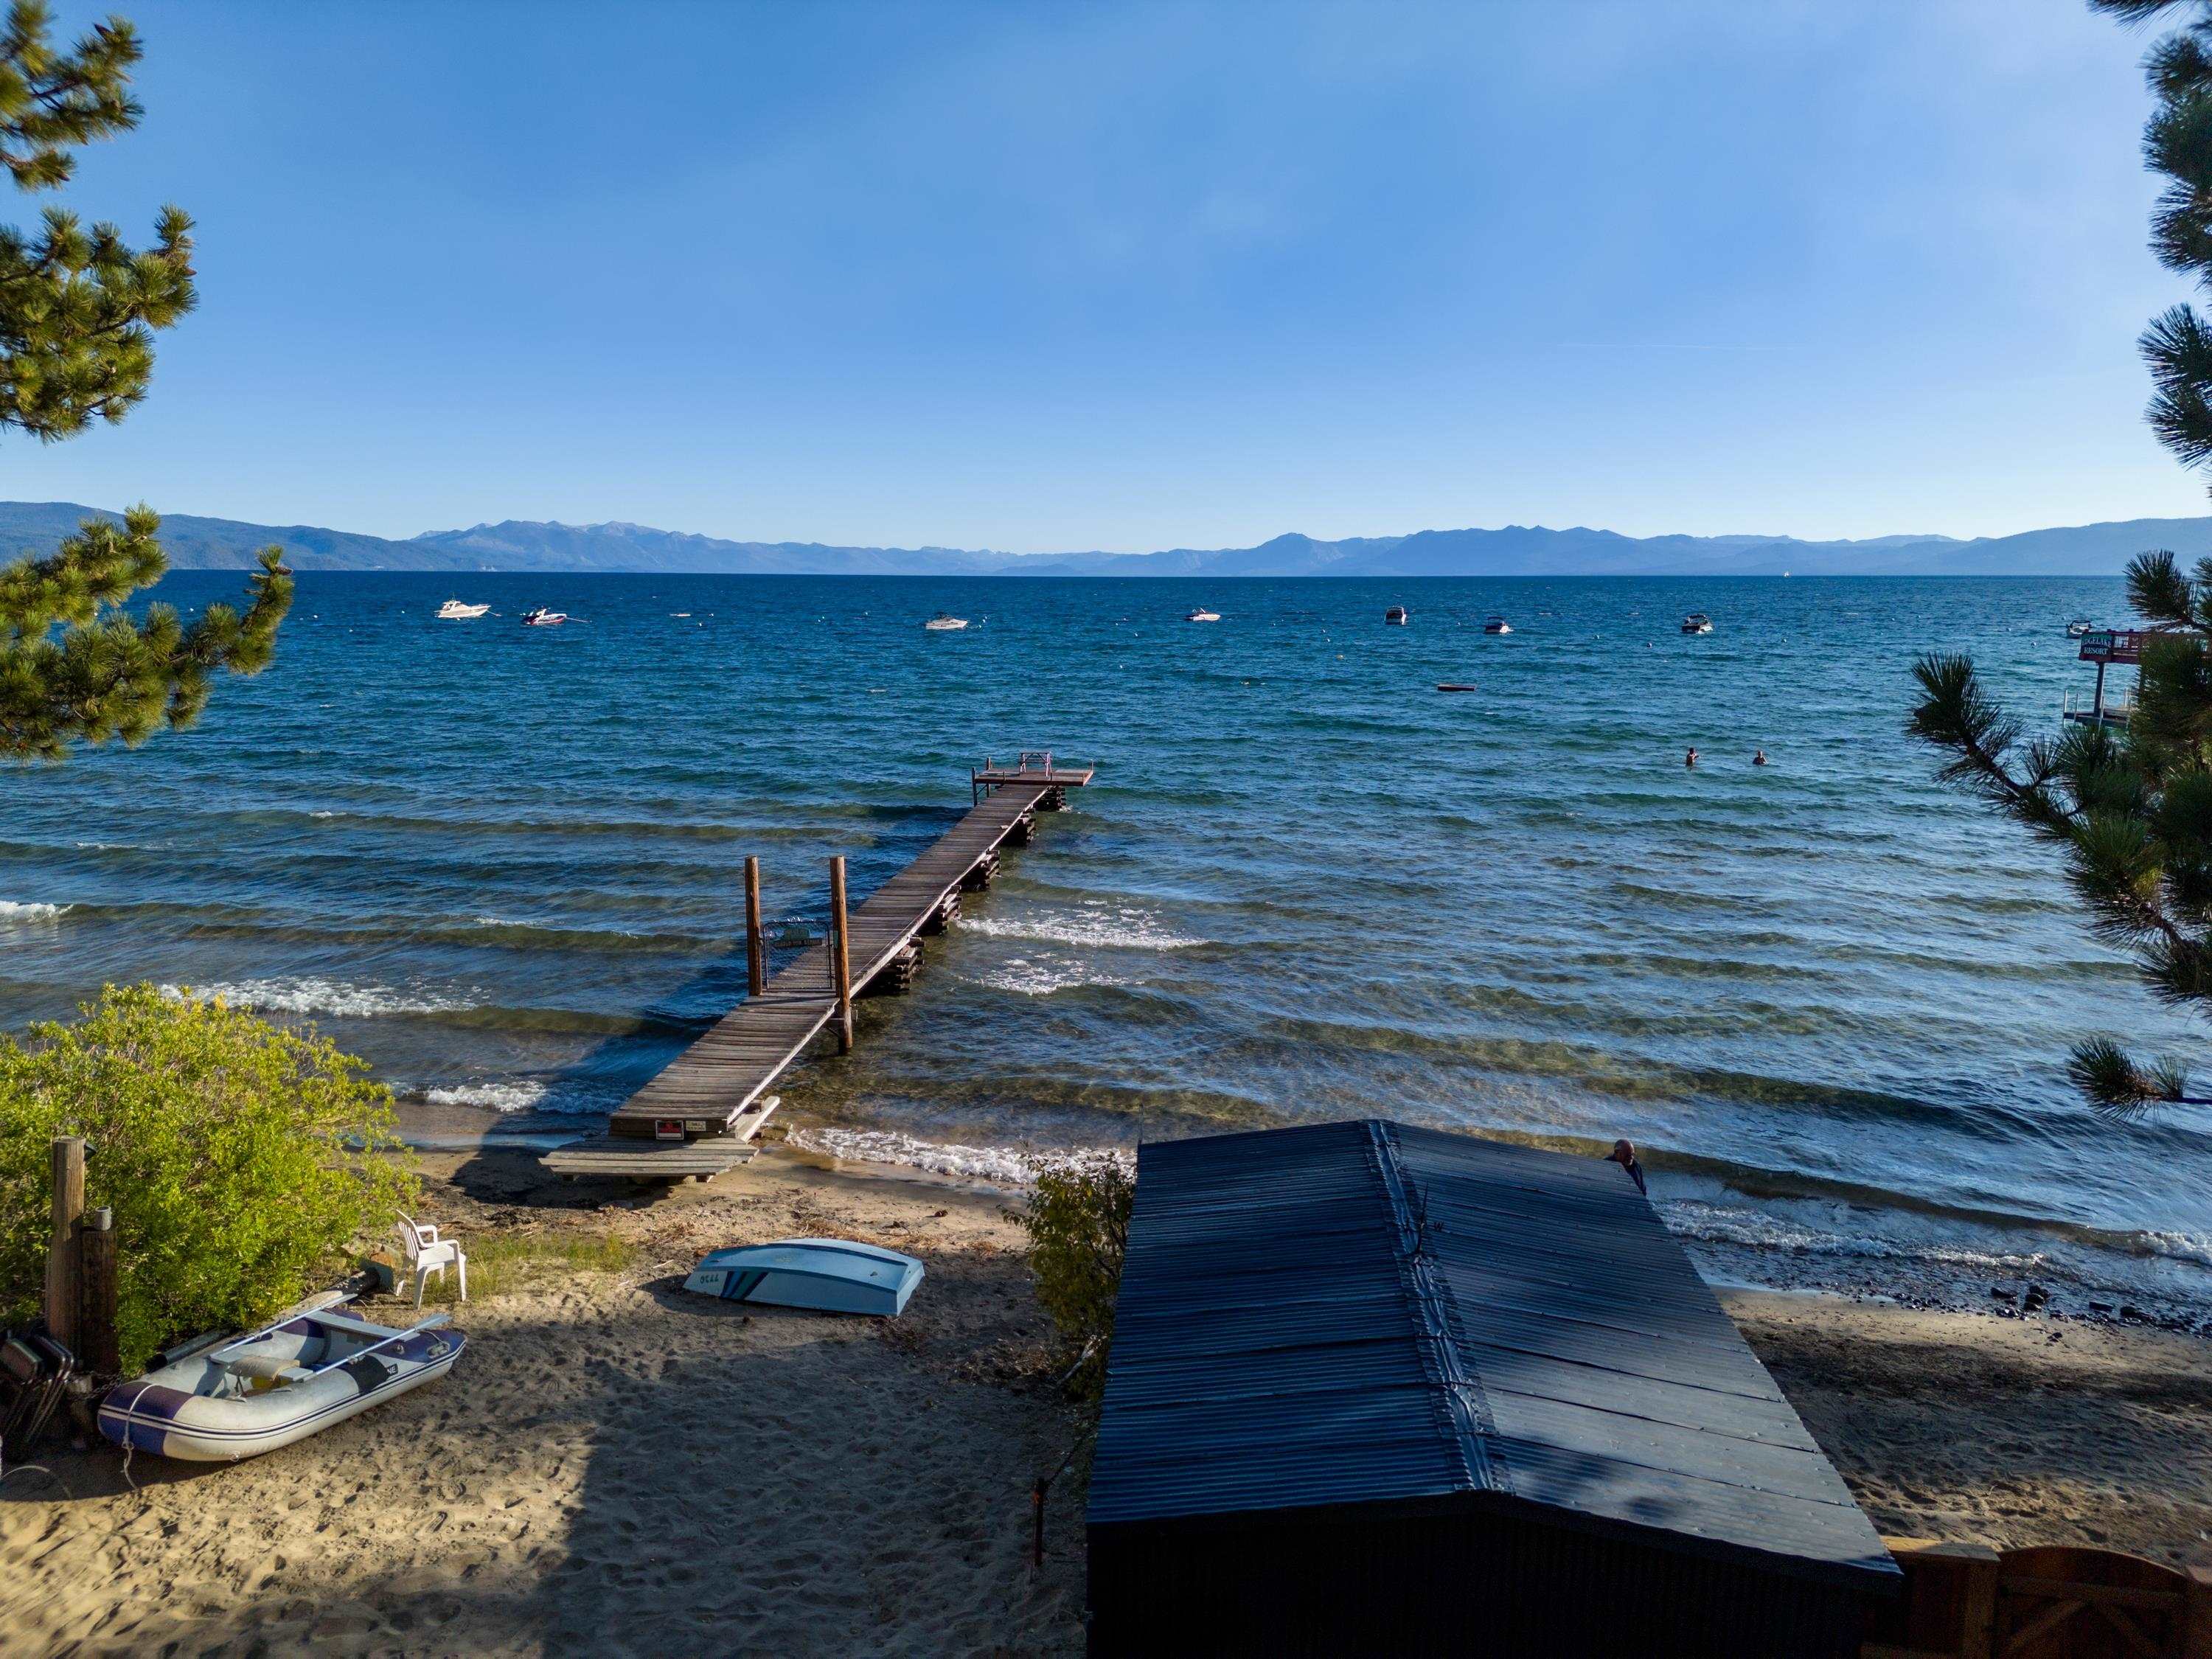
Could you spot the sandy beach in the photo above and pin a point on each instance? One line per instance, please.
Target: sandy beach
(616, 1468)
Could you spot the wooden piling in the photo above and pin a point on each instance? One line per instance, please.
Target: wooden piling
(756, 942)
(841, 955)
(62, 1292)
(98, 1347)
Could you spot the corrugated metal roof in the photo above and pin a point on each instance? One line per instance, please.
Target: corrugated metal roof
(1367, 1312)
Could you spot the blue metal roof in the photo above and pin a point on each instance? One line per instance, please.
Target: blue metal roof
(1367, 1312)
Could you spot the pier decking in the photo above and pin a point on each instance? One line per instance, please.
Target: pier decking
(698, 1117)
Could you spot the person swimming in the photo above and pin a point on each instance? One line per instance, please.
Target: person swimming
(1759, 757)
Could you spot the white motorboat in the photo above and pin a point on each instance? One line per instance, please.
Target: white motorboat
(1497, 625)
(454, 610)
(1696, 622)
(943, 624)
(1203, 615)
(541, 617)
(1398, 615)
(2078, 626)
(228, 1398)
(833, 1275)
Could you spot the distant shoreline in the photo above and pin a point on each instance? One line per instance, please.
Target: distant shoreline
(1511, 551)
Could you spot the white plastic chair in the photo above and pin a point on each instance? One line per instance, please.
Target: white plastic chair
(422, 1253)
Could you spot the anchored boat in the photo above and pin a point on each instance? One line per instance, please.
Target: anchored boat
(1696, 622)
(1203, 615)
(1497, 625)
(454, 610)
(835, 1275)
(943, 624)
(1398, 615)
(228, 1398)
(541, 617)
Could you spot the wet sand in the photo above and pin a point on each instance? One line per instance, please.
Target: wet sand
(615, 1467)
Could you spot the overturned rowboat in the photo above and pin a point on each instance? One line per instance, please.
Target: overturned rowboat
(228, 1398)
(833, 1275)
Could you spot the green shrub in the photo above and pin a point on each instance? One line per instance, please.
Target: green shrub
(1078, 1221)
(241, 1159)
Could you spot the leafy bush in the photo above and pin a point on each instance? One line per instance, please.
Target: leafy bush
(241, 1159)
(1078, 1221)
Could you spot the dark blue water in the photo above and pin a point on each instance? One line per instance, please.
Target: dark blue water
(1833, 999)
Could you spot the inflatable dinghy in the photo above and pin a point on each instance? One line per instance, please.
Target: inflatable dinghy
(236, 1397)
(835, 1275)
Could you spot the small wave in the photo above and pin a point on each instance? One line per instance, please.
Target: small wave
(2193, 1248)
(1094, 927)
(1028, 977)
(1007, 1166)
(14, 910)
(506, 1095)
(319, 996)
(1756, 1229)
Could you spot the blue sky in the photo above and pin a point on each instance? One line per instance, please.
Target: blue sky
(1068, 277)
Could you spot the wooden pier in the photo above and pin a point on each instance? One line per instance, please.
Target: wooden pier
(700, 1116)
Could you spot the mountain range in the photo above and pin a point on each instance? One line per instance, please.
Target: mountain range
(2095, 550)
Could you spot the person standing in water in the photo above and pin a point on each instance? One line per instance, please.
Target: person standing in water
(1625, 1155)
(1690, 759)
(1759, 757)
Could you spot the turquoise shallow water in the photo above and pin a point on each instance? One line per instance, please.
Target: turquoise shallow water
(1832, 997)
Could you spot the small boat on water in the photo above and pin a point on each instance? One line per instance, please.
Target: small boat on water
(454, 610)
(541, 617)
(225, 1398)
(2078, 626)
(1203, 615)
(1696, 622)
(1496, 625)
(832, 1275)
(943, 624)
(1398, 615)
(1455, 685)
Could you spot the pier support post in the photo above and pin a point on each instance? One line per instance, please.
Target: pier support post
(62, 1292)
(97, 1347)
(841, 955)
(756, 944)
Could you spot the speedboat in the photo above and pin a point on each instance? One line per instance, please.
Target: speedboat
(1497, 625)
(2078, 626)
(454, 610)
(1398, 614)
(1696, 622)
(541, 617)
(943, 624)
(225, 1398)
(832, 1275)
(1203, 615)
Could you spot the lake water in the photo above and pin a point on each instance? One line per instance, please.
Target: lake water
(1831, 998)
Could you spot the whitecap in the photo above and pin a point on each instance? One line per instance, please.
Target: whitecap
(1032, 977)
(1007, 1166)
(320, 996)
(27, 910)
(1094, 927)
(517, 1094)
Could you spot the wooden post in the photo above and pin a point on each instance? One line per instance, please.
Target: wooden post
(61, 1249)
(756, 944)
(97, 1347)
(841, 955)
